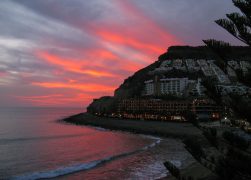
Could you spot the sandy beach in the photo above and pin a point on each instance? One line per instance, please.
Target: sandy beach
(158, 128)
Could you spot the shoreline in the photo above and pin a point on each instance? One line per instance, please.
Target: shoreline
(160, 129)
(179, 130)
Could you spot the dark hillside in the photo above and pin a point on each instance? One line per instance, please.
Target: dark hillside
(133, 85)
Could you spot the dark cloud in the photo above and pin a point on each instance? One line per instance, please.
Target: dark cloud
(57, 47)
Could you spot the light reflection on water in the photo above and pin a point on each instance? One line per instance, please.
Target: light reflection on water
(32, 141)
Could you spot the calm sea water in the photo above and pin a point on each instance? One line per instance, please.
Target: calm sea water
(33, 145)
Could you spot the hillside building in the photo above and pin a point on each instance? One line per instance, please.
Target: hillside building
(234, 64)
(192, 65)
(221, 76)
(156, 109)
(233, 89)
(206, 109)
(149, 88)
(231, 74)
(245, 66)
(173, 86)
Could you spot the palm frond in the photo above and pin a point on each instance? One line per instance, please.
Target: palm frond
(244, 6)
(228, 25)
(239, 19)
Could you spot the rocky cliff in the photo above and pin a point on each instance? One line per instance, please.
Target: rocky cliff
(133, 85)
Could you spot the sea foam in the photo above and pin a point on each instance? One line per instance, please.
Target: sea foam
(61, 171)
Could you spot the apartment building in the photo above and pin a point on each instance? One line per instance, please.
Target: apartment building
(192, 65)
(245, 66)
(153, 109)
(149, 88)
(233, 89)
(165, 86)
(221, 76)
(206, 109)
(156, 109)
(234, 64)
(175, 86)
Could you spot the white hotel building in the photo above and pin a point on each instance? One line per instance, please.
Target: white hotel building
(174, 86)
(149, 88)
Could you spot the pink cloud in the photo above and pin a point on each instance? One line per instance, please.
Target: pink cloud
(87, 87)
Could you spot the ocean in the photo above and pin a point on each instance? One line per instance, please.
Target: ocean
(35, 145)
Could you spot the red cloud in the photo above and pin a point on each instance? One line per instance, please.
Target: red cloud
(117, 50)
(129, 41)
(83, 87)
(76, 66)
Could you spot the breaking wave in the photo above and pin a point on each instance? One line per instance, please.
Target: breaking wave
(78, 167)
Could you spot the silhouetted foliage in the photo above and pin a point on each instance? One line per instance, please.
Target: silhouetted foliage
(209, 84)
(203, 52)
(221, 49)
(239, 24)
(211, 135)
(246, 79)
(194, 147)
(242, 106)
(224, 171)
(172, 169)
(236, 165)
(236, 140)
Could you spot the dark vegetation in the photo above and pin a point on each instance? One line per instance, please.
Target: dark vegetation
(234, 165)
(172, 169)
(103, 105)
(209, 84)
(238, 25)
(203, 52)
(234, 161)
(211, 135)
(241, 105)
(236, 140)
(195, 148)
(246, 79)
(133, 85)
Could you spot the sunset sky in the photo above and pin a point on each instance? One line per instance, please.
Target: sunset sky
(67, 52)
